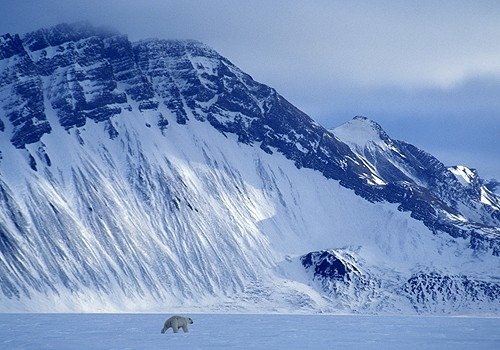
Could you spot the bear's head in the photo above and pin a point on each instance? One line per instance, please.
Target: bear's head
(190, 320)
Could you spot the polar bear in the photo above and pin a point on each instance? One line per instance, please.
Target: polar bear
(177, 322)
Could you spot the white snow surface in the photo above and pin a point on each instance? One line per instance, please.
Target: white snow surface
(246, 331)
(359, 132)
(463, 174)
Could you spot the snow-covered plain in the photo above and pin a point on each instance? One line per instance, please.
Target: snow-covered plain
(247, 331)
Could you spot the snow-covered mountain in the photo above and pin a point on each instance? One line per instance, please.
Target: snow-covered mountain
(157, 175)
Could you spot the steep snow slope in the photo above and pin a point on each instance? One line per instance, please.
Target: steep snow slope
(157, 175)
(181, 217)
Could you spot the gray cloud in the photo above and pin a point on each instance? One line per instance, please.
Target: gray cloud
(426, 70)
(366, 42)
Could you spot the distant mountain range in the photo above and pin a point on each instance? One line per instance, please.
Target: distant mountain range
(157, 175)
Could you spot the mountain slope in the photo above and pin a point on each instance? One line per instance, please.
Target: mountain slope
(464, 198)
(157, 174)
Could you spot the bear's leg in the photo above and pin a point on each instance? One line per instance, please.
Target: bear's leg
(174, 327)
(165, 328)
(185, 328)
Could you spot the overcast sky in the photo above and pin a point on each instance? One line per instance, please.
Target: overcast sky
(427, 71)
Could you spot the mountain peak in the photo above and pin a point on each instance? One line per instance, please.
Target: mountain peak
(361, 131)
(64, 32)
(191, 46)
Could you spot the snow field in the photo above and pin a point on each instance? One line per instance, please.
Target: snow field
(246, 331)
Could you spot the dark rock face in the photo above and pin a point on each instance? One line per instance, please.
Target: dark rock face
(339, 275)
(85, 73)
(10, 45)
(326, 264)
(428, 292)
(23, 105)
